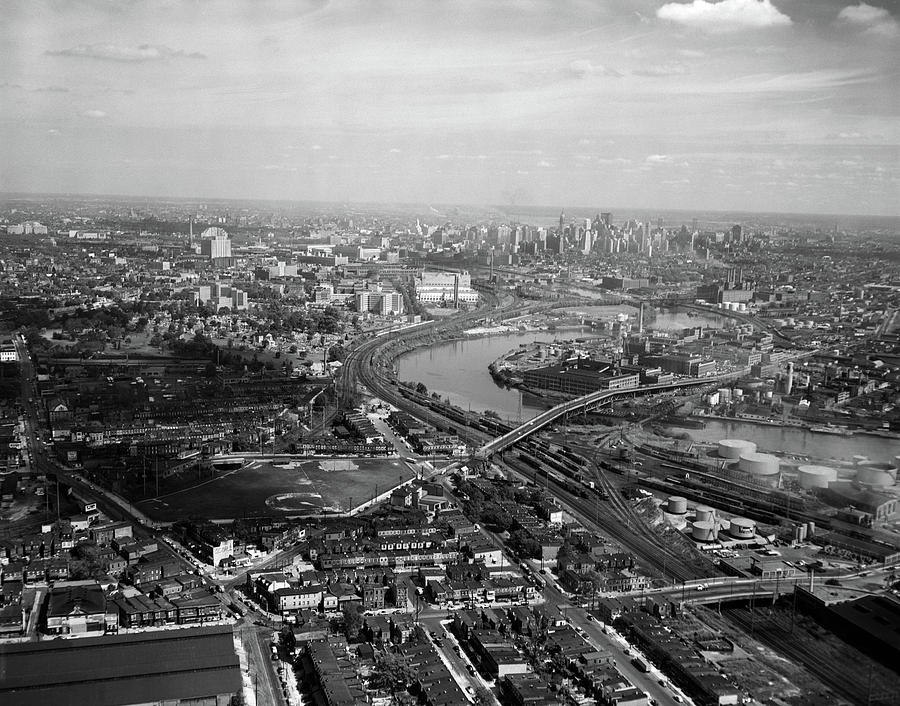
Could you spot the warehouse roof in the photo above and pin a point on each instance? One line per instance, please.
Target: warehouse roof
(122, 669)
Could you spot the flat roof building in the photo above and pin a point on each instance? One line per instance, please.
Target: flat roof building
(195, 665)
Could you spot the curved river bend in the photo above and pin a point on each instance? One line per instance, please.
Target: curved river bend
(458, 370)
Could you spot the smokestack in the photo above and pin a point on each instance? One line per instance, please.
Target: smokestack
(641, 319)
(790, 379)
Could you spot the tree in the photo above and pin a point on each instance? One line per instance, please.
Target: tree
(421, 389)
(352, 621)
(483, 696)
(392, 671)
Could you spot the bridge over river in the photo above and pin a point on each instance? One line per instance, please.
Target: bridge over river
(585, 402)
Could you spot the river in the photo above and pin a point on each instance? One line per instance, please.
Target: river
(800, 442)
(458, 370)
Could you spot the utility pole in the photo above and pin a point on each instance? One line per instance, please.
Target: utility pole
(752, 611)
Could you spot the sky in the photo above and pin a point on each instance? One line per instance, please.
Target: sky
(752, 105)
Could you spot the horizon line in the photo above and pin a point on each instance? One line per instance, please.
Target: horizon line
(506, 208)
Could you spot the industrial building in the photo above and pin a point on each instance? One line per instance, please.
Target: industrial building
(582, 377)
(446, 287)
(196, 666)
(872, 506)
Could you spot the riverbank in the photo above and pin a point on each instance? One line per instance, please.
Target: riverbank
(801, 426)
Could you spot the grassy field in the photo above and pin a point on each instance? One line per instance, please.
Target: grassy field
(298, 488)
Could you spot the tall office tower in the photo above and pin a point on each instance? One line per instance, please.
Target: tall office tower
(694, 225)
(588, 241)
(587, 223)
(736, 234)
(659, 223)
(561, 244)
(606, 219)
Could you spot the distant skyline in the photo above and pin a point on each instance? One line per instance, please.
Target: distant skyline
(729, 105)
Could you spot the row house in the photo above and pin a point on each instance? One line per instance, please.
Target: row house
(105, 533)
(292, 599)
(143, 611)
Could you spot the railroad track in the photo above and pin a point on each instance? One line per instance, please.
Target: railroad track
(363, 364)
(839, 674)
(612, 525)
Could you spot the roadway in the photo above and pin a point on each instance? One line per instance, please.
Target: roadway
(265, 684)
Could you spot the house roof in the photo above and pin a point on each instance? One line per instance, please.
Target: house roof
(124, 669)
(88, 600)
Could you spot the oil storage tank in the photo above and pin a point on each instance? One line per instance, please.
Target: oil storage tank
(734, 448)
(742, 528)
(874, 476)
(889, 468)
(815, 476)
(704, 513)
(676, 505)
(760, 465)
(704, 531)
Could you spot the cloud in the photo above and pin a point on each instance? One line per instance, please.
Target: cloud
(114, 52)
(544, 163)
(393, 150)
(52, 131)
(315, 148)
(443, 157)
(724, 16)
(670, 68)
(659, 159)
(582, 68)
(96, 114)
(870, 19)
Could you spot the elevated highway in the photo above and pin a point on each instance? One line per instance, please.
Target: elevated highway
(585, 402)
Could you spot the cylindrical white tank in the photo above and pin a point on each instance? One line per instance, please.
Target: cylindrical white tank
(874, 477)
(888, 468)
(677, 505)
(734, 448)
(816, 476)
(704, 513)
(704, 531)
(758, 464)
(742, 528)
